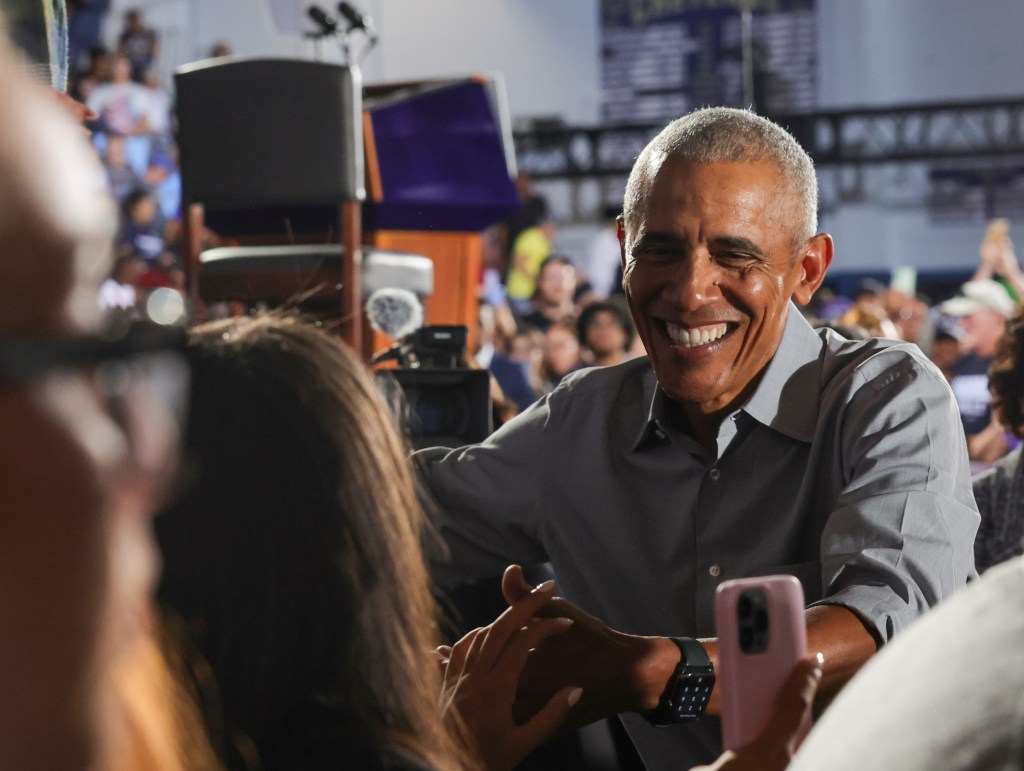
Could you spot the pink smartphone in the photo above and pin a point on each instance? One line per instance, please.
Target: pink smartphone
(761, 637)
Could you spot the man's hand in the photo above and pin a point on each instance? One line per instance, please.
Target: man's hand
(618, 672)
(775, 746)
(628, 673)
(482, 670)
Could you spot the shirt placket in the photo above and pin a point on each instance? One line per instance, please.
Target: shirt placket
(712, 563)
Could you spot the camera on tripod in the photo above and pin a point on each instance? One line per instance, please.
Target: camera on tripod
(439, 402)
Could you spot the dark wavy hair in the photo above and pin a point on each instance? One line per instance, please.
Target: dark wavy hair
(551, 259)
(617, 311)
(1006, 376)
(293, 562)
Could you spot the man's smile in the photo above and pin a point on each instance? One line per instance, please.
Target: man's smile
(692, 337)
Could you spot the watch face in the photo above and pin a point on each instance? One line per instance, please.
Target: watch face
(693, 694)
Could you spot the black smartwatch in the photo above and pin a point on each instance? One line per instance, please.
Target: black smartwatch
(689, 689)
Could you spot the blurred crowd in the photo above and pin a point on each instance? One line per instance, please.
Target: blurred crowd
(131, 120)
(543, 313)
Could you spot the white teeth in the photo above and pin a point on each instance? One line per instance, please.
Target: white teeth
(691, 338)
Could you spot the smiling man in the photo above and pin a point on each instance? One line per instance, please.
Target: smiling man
(713, 256)
(746, 444)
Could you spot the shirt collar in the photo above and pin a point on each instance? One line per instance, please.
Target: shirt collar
(653, 429)
(785, 399)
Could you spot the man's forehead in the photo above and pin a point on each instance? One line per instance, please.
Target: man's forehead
(750, 188)
(667, 168)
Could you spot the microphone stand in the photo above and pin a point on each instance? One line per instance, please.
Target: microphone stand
(318, 39)
(327, 26)
(344, 38)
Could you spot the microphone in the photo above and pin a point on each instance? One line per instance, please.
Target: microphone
(396, 313)
(357, 20)
(327, 23)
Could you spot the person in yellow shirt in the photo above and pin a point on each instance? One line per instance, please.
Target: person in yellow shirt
(529, 250)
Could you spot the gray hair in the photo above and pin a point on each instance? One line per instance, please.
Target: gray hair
(725, 134)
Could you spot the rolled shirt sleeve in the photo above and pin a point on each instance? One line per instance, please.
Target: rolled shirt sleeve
(901, 536)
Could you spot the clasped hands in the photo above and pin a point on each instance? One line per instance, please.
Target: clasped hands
(544, 666)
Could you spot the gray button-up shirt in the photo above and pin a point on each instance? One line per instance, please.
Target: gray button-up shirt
(847, 468)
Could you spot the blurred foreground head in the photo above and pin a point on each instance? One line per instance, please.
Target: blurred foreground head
(56, 219)
(76, 561)
(292, 556)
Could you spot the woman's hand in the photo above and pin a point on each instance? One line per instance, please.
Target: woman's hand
(481, 673)
(778, 742)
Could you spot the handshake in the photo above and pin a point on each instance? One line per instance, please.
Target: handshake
(545, 667)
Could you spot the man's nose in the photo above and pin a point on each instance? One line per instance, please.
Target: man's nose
(696, 282)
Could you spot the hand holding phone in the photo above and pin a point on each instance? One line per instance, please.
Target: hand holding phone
(762, 635)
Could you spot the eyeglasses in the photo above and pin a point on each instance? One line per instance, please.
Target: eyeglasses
(26, 359)
(140, 378)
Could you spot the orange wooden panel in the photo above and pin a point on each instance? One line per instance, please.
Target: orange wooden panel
(456, 259)
(374, 188)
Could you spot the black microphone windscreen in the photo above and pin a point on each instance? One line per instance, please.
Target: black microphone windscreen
(356, 19)
(320, 16)
(351, 14)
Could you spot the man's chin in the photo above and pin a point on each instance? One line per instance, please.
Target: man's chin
(692, 396)
(685, 384)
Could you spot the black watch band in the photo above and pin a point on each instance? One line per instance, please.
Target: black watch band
(689, 689)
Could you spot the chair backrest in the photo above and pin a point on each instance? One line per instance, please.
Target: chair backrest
(269, 132)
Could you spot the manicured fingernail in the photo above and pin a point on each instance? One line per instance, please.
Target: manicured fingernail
(546, 586)
(820, 658)
(574, 697)
(565, 623)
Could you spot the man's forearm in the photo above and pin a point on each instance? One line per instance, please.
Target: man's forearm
(628, 673)
(837, 633)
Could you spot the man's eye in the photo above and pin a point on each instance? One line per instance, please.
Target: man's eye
(734, 258)
(655, 253)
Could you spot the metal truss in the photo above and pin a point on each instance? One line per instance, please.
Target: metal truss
(926, 132)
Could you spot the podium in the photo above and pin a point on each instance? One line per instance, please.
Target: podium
(278, 156)
(440, 166)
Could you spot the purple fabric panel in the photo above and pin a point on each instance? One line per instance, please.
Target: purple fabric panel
(441, 154)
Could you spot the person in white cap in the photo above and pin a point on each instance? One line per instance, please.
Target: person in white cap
(981, 310)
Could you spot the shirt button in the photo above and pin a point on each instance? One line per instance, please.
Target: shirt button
(714, 571)
(714, 474)
(659, 433)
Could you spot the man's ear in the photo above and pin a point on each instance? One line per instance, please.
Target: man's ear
(813, 262)
(620, 231)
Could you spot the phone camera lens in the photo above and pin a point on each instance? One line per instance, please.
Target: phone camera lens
(744, 606)
(761, 619)
(746, 639)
